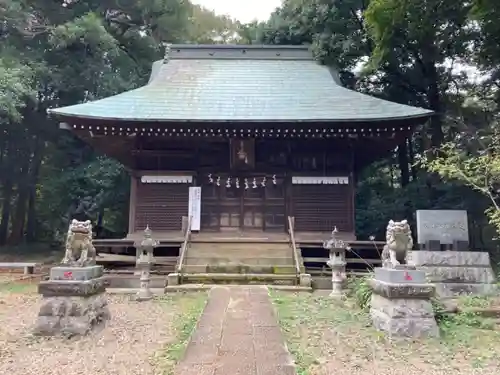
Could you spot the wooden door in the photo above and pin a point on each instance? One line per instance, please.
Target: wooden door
(248, 206)
(210, 213)
(274, 205)
(229, 208)
(252, 208)
(221, 206)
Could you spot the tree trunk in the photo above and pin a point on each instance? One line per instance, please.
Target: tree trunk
(31, 221)
(34, 172)
(6, 183)
(22, 189)
(6, 205)
(100, 221)
(434, 98)
(411, 155)
(19, 219)
(403, 164)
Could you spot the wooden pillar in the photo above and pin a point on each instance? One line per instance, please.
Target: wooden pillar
(132, 204)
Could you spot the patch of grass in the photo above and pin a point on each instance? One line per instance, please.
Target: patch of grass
(475, 301)
(456, 328)
(298, 313)
(326, 336)
(462, 328)
(360, 290)
(188, 307)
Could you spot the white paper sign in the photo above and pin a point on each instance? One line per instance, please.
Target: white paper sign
(195, 207)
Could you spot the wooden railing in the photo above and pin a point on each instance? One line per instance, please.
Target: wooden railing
(184, 246)
(294, 245)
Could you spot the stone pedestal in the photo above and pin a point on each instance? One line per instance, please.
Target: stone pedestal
(338, 278)
(137, 270)
(305, 280)
(456, 273)
(400, 304)
(144, 293)
(337, 290)
(73, 301)
(172, 279)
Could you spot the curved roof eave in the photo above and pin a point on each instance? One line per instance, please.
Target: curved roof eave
(69, 116)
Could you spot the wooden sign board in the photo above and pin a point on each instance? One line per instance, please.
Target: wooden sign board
(242, 153)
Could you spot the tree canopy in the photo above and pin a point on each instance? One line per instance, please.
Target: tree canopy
(441, 55)
(55, 53)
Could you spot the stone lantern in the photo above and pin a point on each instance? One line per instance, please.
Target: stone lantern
(337, 263)
(144, 261)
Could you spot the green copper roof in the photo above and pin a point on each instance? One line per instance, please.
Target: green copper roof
(241, 83)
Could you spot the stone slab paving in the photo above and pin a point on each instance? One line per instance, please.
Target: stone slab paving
(237, 334)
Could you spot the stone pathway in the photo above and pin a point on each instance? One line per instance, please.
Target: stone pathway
(237, 334)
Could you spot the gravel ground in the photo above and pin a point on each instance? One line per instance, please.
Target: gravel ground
(6, 277)
(126, 345)
(330, 338)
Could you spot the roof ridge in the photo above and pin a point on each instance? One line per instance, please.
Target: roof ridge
(236, 52)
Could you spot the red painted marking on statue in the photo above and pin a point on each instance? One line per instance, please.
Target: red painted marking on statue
(408, 277)
(68, 275)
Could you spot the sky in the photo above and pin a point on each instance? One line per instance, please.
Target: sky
(242, 10)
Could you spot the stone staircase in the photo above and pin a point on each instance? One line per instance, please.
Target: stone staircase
(239, 263)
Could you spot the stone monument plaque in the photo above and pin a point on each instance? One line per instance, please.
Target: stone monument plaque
(445, 226)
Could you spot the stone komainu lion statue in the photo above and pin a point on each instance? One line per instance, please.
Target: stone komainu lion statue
(398, 242)
(79, 249)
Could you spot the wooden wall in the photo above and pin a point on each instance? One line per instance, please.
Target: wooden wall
(322, 207)
(159, 205)
(316, 207)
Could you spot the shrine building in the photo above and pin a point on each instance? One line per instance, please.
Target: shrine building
(249, 142)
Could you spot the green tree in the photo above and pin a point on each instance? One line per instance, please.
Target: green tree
(66, 52)
(475, 162)
(428, 37)
(412, 53)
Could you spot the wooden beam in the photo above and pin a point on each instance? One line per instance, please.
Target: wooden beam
(116, 147)
(110, 258)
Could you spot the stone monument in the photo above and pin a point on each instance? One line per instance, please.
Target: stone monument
(400, 303)
(437, 229)
(74, 299)
(454, 272)
(145, 260)
(337, 263)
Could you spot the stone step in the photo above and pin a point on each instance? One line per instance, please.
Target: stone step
(240, 247)
(156, 291)
(250, 250)
(238, 278)
(250, 247)
(239, 268)
(234, 256)
(240, 244)
(216, 260)
(205, 287)
(132, 281)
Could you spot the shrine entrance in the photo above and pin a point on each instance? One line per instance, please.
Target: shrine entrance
(243, 203)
